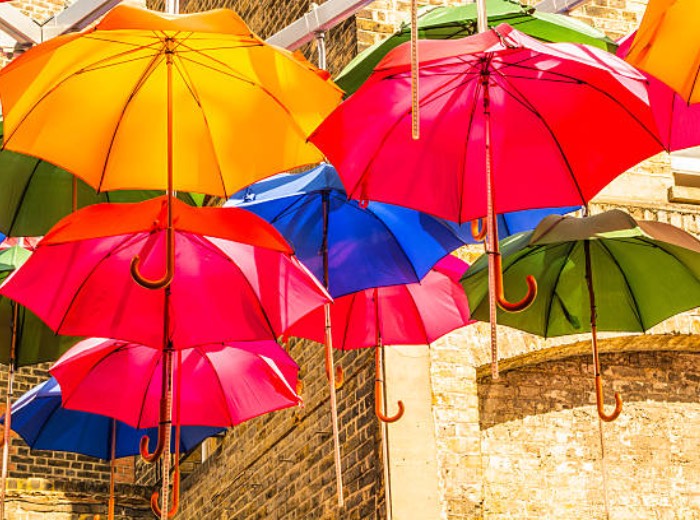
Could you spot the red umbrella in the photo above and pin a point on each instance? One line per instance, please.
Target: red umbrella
(411, 314)
(507, 123)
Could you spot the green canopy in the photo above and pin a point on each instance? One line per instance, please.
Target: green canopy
(34, 194)
(642, 273)
(36, 343)
(444, 23)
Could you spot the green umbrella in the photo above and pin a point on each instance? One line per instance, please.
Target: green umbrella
(449, 22)
(34, 194)
(606, 272)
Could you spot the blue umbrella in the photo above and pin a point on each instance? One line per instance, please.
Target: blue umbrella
(44, 424)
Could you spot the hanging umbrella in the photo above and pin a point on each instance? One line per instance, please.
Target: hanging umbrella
(218, 384)
(677, 121)
(44, 424)
(509, 123)
(607, 272)
(412, 314)
(457, 21)
(34, 194)
(24, 339)
(666, 45)
(234, 278)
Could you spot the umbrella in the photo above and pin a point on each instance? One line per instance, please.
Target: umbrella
(24, 339)
(666, 45)
(605, 272)
(44, 424)
(217, 384)
(35, 194)
(78, 280)
(410, 314)
(677, 121)
(509, 123)
(457, 21)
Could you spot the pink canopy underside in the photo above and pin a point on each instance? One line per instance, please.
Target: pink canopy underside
(222, 290)
(413, 314)
(222, 384)
(678, 122)
(565, 121)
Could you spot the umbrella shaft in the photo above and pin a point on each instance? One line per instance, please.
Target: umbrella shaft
(334, 405)
(8, 411)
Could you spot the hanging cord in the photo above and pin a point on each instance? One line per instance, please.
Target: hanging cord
(415, 96)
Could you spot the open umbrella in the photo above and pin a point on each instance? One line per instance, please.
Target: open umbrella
(24, 338)
(234, 279)
(605, 272)
(508, 123)
(666, 45)
(410, 314)
(449, 22)
(217, 384)
(677, 121)
(39, 418)
(35, 194)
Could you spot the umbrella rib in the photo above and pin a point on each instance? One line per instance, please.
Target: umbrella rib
(627, 284)
(461, 178)
(137, 87)
(213, 247)
(159, 360)
(387, 134)
(22, 197)
(520, 98)
(85, 279)
(548, 314)
(346, 328)
(218, 381)
(421, 321)
(187, 80)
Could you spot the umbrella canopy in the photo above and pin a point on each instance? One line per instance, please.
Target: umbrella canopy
(39, 418)
(146, 80)
(677, 121)
(375, 246)
(666, 45)
(412, 314)
(457, 21)
(564, 120)
(643, 273)
(220, 384)
(35, 194)
(35, 342)
(234, 276)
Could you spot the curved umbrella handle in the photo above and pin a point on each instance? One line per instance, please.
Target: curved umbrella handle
(155, 507)
(478, 230)
(339, 374)
(599, 402)
(150, 458)
(503, 303)
(379, 392)
(167, 278)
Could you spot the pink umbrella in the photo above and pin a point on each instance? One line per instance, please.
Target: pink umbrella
(233, 279)
(508, 123)
(678, 122)
(215, 385)
(411, 314)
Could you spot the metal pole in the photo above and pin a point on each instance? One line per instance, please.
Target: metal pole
(482, 20)
(8, 411)
(172, 6)
(112, 468)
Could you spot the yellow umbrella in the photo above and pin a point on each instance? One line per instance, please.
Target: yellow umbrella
(667, 45)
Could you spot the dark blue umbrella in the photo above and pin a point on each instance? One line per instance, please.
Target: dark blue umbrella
(44, 424)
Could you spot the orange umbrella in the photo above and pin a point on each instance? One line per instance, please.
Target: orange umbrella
(667, 45)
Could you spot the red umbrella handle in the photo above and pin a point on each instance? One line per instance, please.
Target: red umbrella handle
(478, 230)
(599, 402)
(503, 303)
(155, 507)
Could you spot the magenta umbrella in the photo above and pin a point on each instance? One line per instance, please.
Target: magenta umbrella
(214, 385)
(508, 123)
(678, 122)
(411, 314)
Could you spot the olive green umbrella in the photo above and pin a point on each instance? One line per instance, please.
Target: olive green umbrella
(35, 194)
(24, 340)
(605, 272)
(450, 22)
